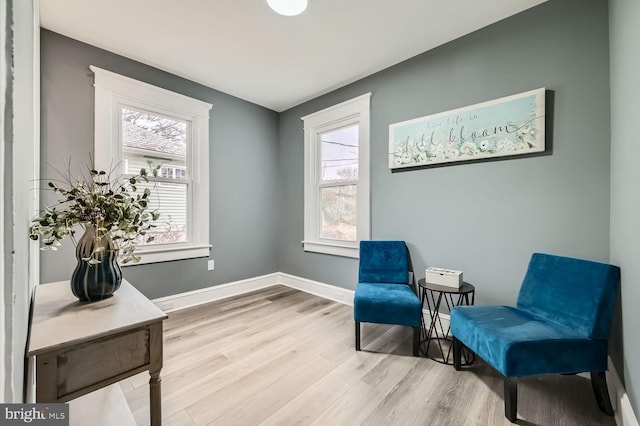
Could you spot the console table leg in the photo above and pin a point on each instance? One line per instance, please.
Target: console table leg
(155, 399)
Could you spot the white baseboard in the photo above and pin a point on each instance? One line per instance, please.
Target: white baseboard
(209, 294)
(331, 292)
(623, 412)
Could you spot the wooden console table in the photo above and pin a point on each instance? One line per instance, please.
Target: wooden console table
(80, 347)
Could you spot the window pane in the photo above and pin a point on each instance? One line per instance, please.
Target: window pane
(171, 200)
(339, 213)
(340, 154)
(150, 140)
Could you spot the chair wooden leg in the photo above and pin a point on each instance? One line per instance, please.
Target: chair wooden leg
(600, 391)
(357, 336)
(457, 354)
(511, 398)
(416, 340)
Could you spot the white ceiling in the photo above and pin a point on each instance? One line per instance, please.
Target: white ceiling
(243, 48)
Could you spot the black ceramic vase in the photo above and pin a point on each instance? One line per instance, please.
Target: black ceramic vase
(91, 282)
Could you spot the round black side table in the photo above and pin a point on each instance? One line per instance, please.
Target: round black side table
(431, 297)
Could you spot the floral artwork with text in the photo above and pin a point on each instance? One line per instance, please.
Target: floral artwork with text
(511, 125)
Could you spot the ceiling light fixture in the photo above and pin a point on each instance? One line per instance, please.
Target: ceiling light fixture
(288, 7)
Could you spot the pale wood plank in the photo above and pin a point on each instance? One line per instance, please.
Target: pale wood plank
(258, 350)
(282, 357)
(181, 418)
(372, 390)
(333, 386)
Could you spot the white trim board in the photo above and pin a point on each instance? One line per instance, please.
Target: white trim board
(623, 412)
(25, 166)
(327, 291)
(189, 299)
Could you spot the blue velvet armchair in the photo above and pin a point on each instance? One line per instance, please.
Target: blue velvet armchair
(560, 325)
(384, 294)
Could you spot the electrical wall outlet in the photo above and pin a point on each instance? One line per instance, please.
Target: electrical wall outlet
(211, 265)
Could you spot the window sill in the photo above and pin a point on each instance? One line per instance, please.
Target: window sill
(335, 249)
(166, 254)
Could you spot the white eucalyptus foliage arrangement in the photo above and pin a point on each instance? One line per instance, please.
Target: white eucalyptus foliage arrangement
(106, 201)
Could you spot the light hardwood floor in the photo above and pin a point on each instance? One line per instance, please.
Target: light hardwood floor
(283, 357)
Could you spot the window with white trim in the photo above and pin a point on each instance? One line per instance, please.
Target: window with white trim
(138, 125)
(336, 178)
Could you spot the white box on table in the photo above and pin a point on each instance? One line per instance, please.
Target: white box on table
(443, 277)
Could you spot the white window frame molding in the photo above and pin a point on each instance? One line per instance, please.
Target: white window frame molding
(350, 112)
(113, 90)
(22, 263)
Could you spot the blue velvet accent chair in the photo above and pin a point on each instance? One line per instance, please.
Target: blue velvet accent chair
(384, 294)
(560, 325)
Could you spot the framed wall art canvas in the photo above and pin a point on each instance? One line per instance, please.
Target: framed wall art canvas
(513, 125)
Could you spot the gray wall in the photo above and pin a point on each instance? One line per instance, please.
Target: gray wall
(243, 173)
(484, 218)
(625, 175)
